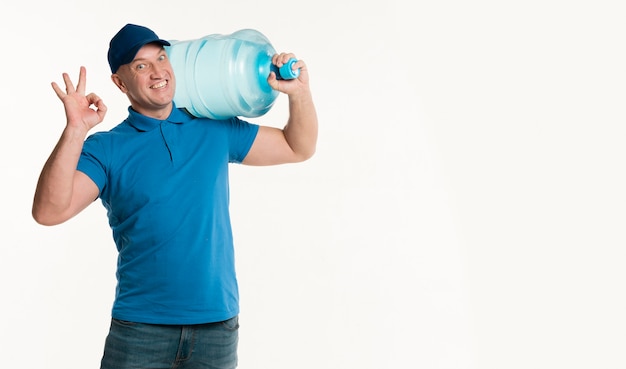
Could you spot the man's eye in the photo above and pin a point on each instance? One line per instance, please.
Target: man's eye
(141, 66)
(162, 57)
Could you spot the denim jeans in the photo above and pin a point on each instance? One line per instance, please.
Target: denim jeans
(147, 346)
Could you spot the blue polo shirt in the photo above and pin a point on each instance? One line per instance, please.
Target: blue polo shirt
(164, 184)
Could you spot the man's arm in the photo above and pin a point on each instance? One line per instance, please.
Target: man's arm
(62, 191)
(297, 140)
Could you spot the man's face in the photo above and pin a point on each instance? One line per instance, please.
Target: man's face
(148, 81)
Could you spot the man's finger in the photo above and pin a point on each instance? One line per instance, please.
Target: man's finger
(69, 86)
(58, 90)
(82, 81)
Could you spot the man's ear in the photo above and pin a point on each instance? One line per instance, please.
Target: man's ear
(118, 82)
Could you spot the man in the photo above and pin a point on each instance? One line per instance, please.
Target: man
(162, 175)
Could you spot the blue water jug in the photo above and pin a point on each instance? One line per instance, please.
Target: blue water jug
(222, 76)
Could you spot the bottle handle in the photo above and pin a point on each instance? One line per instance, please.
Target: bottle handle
(286, 71)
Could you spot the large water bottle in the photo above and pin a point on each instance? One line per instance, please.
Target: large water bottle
(222, 76)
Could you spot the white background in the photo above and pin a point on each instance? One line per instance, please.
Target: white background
(465, 208)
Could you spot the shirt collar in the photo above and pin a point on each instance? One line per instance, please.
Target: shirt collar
(143, 123)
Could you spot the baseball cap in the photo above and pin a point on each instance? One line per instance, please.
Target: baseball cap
(127, 42)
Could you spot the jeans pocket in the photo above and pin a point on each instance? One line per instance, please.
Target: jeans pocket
(231, 324)
(124, 323)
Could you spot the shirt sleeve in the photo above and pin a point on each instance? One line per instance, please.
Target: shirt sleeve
(90, 162)
(242, 136)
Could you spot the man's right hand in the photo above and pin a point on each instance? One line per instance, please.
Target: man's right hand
(82, 111)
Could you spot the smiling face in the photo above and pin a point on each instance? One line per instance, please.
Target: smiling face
(148, 81)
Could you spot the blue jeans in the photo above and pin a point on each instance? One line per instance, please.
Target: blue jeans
(147, 346)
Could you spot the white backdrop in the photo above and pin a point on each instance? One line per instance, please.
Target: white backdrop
(465, 208)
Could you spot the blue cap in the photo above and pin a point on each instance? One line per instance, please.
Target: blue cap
(127, 42)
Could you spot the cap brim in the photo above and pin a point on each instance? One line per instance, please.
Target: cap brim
(135, 49)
